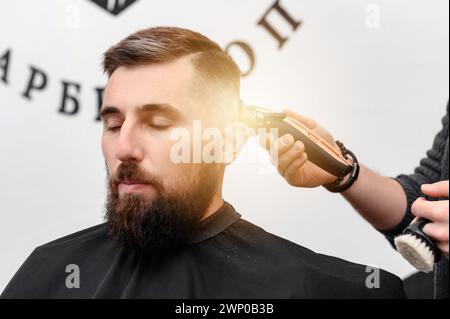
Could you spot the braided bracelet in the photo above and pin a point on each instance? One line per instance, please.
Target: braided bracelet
(336, 186)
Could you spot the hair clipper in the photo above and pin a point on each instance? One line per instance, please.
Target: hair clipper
(320, 152)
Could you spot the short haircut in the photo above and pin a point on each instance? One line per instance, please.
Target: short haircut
(160, 45)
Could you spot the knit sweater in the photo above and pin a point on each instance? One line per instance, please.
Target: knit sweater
(433, 168)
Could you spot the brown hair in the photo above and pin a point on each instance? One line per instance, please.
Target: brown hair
(166, 44)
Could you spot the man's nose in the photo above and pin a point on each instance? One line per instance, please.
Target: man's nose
(128, 147)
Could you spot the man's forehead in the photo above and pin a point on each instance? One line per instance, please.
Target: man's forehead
(169, 83)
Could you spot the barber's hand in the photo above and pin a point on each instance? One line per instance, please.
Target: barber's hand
(436, 211)
(291, 159)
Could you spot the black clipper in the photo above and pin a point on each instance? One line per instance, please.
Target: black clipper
(320, 152)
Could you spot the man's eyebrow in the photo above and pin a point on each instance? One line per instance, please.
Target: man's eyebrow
(162, 108)
(106, 110)
(150, 107)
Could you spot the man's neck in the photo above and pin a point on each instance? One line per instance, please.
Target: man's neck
(214, 206)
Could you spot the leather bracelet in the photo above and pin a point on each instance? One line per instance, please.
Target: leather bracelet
(336, 186)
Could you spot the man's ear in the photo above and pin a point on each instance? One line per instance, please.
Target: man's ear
(234, 137)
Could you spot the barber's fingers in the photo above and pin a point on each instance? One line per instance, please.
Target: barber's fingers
(309, 122)
(439, 189)
(292, 171)
(269, 141)
(280, 147)
(437, 231)
(283, 151)
(295, 152)
(312, 125)
(436, 211)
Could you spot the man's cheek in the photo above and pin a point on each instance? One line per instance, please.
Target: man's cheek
(111, 164)
(107, 149)
(170, 151)
(108, 162)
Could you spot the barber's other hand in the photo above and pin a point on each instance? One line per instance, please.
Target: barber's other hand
(435, 211)
(290, 158)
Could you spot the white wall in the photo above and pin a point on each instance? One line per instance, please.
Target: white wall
(381, 90)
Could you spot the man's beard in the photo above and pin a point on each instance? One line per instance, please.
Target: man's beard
(164, 222)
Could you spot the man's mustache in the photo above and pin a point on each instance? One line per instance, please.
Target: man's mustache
(132, 173)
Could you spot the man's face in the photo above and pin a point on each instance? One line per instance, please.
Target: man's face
(146, 103)
(142, 105)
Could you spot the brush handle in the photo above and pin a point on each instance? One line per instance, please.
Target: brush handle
(415, 229)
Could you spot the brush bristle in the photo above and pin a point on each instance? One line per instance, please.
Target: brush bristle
(416, 252)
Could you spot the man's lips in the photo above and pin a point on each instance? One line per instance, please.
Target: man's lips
(131, 182)
(132, 186)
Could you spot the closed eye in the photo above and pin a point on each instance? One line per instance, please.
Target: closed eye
(113, 128)
(159, 125)
(159, 122)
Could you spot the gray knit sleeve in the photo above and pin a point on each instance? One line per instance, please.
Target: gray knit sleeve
(429, 171)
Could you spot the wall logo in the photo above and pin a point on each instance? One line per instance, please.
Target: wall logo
(278, 32)
(114, 7)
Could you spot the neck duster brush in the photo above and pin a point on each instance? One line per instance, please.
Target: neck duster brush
(417, 248)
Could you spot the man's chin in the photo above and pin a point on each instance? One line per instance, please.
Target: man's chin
(151, 226)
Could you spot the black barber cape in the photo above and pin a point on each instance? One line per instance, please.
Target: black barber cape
(227, 258)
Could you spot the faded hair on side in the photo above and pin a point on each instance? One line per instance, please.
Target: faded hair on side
(165, 44)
